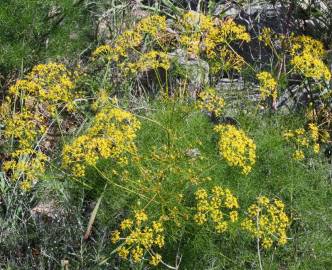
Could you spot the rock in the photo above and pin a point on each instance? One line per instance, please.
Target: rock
(293, 98)
(105, 21)
(258, 7)
(227, 9)
(195, 70)
(54, 12)
(318, 4)
(226, 84)
(47, 211)
(193, 153)
(232, 89)
(233, 9)
(65, 264)
(103, 29)
(73, 36)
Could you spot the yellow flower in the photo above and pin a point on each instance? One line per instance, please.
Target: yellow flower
(47, 89)
(268, 85)
(216, 215)
(150, 60)
(236, 148)
(267, 243)
(316, 148)
(123, 252)
(218, 191)
(314, 132)
(201, 194)
(230, 200)
(51, 83)
(115, 236)
(279, 204)
(253, 210)
(232, 31)
(141, 216)
(263, 200)
(137, 254)
(141, 239)
(267, 222)
(305, 139)
(200, 218)
(157, 227)
(26, 185)
(217, 43)
(103, 50)
(234, 215)
(194, 26)
(307, 44)
(111, 135)
(282, 239)
(298, 155)
(311, 67)
(126, 224)
(211, 102)
(26, 164)
(288, 135)
(307, 54)
(159, 241)
(221, 227)
(153, 25)
(155, 259)
(126, 41)
(212, 208)
(266, 36)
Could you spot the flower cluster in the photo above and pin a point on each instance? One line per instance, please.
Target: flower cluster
(267, 85)
(26, 161)
(211, 102)
(23, 127)
(227, 60)
(151, 60)
(126, 52)
(127, 41)
(140, 238)
(111, 135)
(236, 147)
(29, 165)
(200, 35)
(154, 26)
(193, 27)
(305, 139)
(51, 84)
(218, 45)
(266, 36)
(307, 58)
(323, 116)
(31, 102)
(220, 208)
(267, 221)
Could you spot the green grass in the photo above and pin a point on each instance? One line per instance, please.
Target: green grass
(36, 31)
(305, 187)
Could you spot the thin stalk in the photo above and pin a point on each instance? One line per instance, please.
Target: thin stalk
(258, 246)
(119, 186)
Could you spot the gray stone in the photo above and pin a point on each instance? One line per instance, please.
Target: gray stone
(49, 210)
(195, 70)
(103, 29)
(193, 153)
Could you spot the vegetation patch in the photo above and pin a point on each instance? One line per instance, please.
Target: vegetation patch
(166, 147)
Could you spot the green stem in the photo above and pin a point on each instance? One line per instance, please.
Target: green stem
(119, 186)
